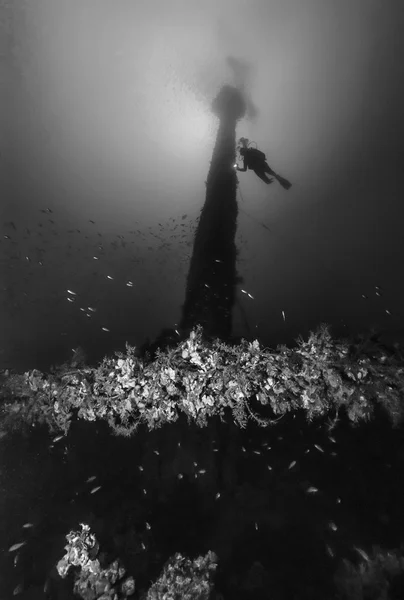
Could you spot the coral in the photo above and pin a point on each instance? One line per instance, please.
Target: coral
(203, 377)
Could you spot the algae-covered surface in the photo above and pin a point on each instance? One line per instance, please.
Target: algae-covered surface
(301, 508)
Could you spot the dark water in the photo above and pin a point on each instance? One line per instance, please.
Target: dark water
(273, 539)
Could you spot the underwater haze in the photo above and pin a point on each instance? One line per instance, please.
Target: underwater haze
(123, 219)
(108, 137)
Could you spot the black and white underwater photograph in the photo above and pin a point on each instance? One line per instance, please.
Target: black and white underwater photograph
(201, 300)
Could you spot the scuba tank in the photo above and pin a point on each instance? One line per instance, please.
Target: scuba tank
(244, 143)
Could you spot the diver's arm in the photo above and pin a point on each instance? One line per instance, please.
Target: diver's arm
(243, 169)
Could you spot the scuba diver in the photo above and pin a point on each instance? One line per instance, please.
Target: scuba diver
(256, 160)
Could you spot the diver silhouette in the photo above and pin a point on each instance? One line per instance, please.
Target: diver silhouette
(256, 160)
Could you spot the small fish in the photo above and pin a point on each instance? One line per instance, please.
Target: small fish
(332, 526)
(57, 438)
(250, 296)
(217, 495)
(333, 440)
(148, 526)
(312, 490)
(143, 546)
(318, 447)
(130, 284)
(15, 547)
(104, 329)
(243, 449)
(70, 299)
(330, 551)
(95, 489)
(91, 478)
(16, 559)
(156, 452)
(202, 471)
(140, 468)
(256, 452)
(144, 491)
(17, 590)
(96, 258)
(109, 277)
(180, 476)
(256, 526)
(269, 468)
(292, 464)
(70, 292)
(27, 525)
(362, 553)
(93, 222)
(283, 315)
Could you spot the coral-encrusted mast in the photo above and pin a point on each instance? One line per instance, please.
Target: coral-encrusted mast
(210, 291)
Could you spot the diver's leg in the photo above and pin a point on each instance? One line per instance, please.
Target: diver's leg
(283, 182)
(261, 175)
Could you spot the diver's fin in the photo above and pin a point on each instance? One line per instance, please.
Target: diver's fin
(284, 182)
